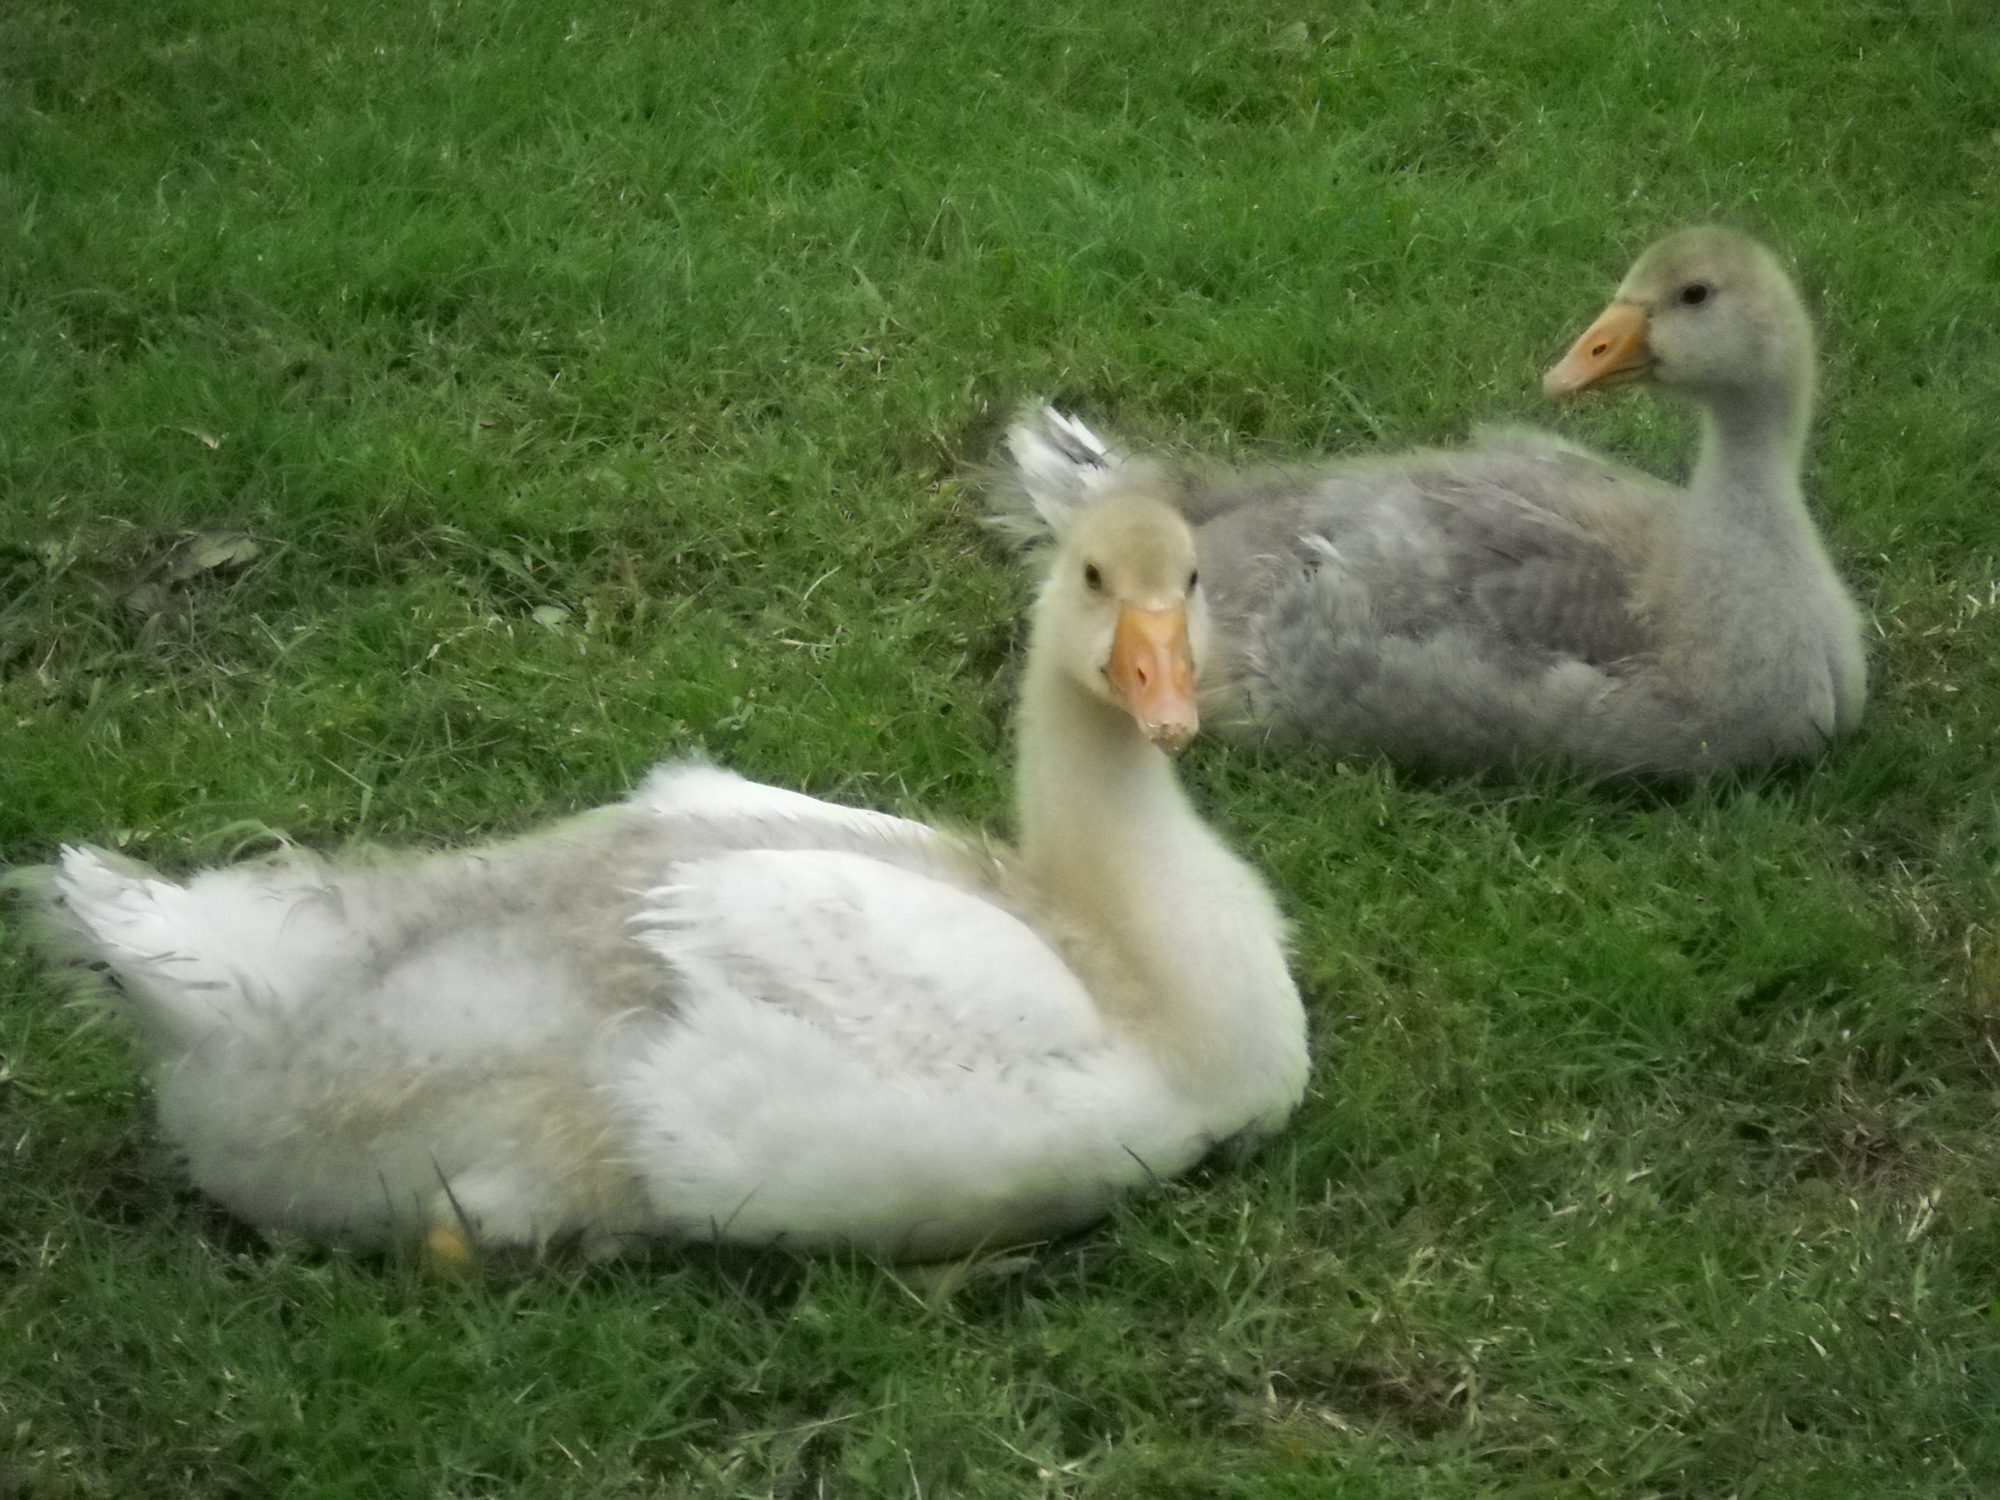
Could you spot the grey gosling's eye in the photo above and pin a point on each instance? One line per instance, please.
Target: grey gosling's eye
(1093, 579)
(1695, 293)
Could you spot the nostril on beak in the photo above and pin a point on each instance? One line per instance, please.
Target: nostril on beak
(1143, 675)
(1599, 350)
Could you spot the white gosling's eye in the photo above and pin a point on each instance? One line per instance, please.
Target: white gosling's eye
(1092, 579)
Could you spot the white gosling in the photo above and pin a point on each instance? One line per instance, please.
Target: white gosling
(720, 1010)
(1522, 598)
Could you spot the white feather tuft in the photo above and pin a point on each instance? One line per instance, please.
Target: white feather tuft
(1057, 465)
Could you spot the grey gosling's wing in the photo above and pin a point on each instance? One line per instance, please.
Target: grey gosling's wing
(1447, 607)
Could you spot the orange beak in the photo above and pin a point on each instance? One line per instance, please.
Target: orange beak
(1612, 350)
(1153, 671)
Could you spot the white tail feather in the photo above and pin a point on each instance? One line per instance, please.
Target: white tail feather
(235, 947)
(137, 925)
(1057, 466)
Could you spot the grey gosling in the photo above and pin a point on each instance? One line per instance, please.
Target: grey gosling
(1522, 598)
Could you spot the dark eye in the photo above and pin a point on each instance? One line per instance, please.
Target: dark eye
(1695, 293)
(1194, 577)
(1092, 579)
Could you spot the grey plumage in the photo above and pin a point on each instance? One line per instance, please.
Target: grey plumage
(1521, 598)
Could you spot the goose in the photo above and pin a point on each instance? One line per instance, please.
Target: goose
(723, 1010)
(1521, 598)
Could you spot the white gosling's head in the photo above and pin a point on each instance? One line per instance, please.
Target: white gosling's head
(1708, 312)
(1122, 606)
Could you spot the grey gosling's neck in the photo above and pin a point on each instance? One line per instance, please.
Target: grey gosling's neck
(1753, 445)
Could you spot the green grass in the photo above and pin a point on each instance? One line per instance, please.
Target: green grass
(596, 383)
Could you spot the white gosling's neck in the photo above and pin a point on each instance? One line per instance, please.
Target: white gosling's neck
(1109, 836)
(1094, 796)
(1177, 940)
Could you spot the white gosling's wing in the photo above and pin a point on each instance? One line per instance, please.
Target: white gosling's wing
(860, 1049)
(693, 789)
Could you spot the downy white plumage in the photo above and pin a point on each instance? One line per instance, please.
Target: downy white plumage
(1523, 598)
(724, 1010)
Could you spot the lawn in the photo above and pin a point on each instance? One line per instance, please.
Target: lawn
(419, 418)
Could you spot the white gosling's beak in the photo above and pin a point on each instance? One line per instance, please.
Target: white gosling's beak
(1152, 669)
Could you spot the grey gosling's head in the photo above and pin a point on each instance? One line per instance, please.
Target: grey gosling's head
(1123, 600)
(1707, 312)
